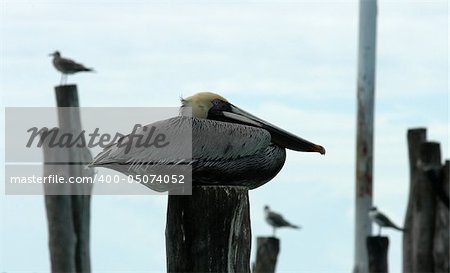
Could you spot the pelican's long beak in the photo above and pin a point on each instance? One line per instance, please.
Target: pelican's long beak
(51, 54)
(279, 136)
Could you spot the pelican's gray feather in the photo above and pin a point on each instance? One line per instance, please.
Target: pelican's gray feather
(222, 153)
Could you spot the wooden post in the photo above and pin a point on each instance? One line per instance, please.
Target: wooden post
(415, 137)
(266, 254)
(424, 209)
(67, 96)
(418, 240)
(377, 252)
(365, 129)
(68, 205)
(209, 231)
(441, 236)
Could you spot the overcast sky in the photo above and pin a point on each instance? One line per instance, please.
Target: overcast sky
(292, 63)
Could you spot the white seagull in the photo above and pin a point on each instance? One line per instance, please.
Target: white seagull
(67, 66)
(276, 220)
(382, 220)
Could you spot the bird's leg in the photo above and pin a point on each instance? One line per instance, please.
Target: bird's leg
(379, 230)
(273, 231)
(61, 80)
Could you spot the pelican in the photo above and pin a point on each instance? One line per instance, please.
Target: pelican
(276, 220)
(67, 66)
(381, 220)
(229, 145)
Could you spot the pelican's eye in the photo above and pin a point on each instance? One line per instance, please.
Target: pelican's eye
(216, 102)
(219, 106)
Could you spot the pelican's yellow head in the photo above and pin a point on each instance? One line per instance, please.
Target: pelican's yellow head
(201, 103)
(212, 106)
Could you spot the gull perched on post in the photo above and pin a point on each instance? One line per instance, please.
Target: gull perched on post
(382, 220)
(276, 220)
(67, 66)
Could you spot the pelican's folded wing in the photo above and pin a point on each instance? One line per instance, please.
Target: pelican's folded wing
(219, 153)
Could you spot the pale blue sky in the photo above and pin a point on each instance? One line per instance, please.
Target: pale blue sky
(292, 63)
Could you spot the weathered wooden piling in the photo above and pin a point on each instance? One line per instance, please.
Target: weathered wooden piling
(425, 241)
(377, 253)
(68, 205)
(414, 137)
(441, 236)
(267, 249)
(209, 231)
(424, 209)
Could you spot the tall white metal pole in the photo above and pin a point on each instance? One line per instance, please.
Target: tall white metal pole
(365, 129)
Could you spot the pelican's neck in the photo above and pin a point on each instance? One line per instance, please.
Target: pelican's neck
(185, 111)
